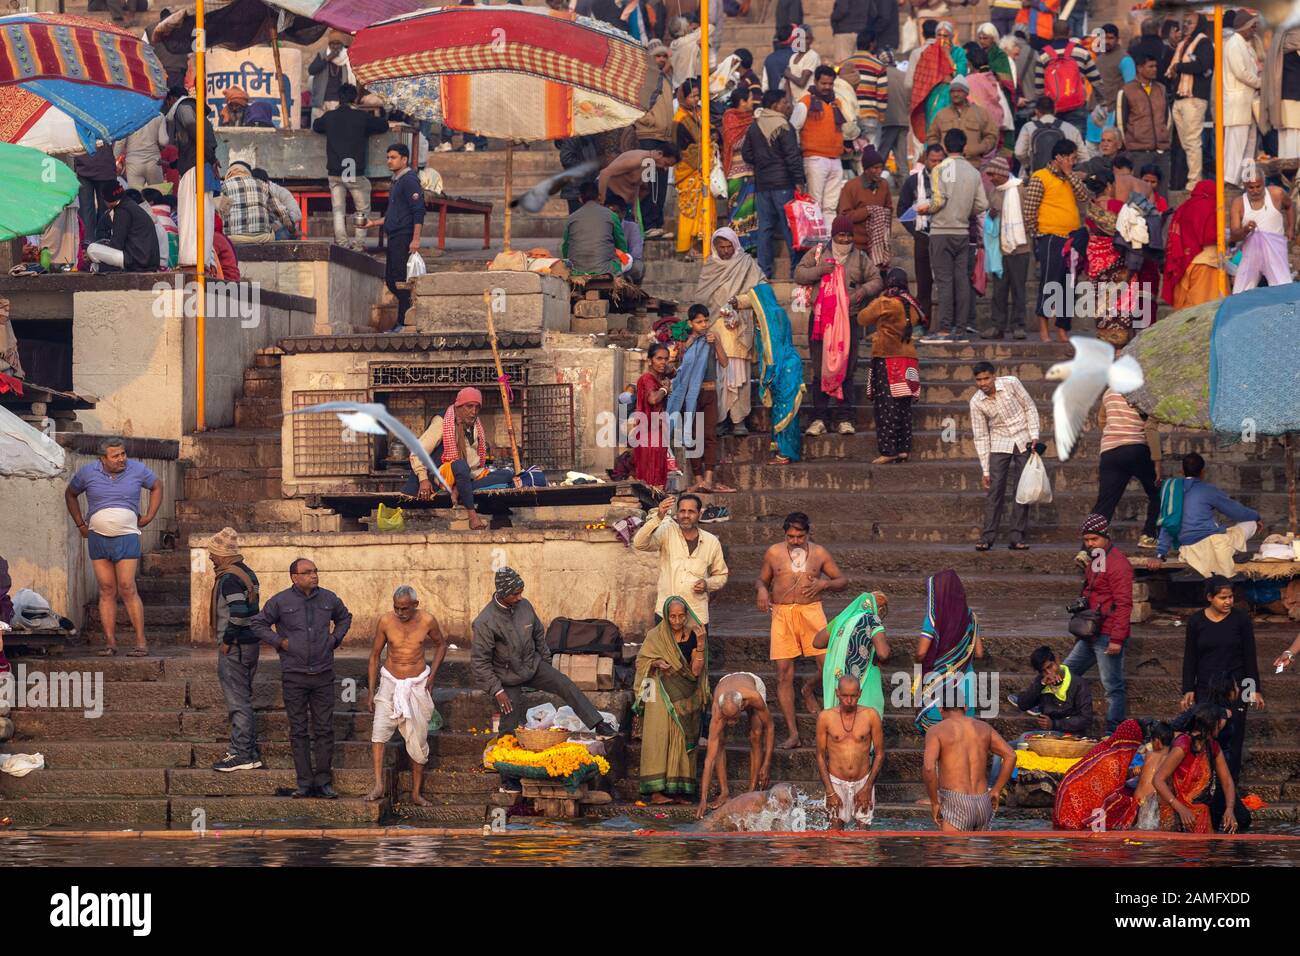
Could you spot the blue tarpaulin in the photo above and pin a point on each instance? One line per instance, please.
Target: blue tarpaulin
(1255, 362)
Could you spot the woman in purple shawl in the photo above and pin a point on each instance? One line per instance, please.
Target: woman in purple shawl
(950, 641)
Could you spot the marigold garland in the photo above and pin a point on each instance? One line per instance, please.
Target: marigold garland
(562, 760)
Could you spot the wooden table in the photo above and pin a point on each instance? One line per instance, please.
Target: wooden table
(443, 205)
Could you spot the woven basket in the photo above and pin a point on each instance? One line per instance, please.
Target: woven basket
(536, 740)
(1059, 747)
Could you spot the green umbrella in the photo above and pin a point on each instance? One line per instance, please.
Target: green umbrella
(34, 188)
(1175, 358)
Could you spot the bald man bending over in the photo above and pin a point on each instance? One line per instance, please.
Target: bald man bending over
(734, 695)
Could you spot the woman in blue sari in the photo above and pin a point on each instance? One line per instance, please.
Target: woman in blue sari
(780, 373)
(950, 642)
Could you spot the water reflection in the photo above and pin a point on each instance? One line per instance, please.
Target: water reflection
(607, 846)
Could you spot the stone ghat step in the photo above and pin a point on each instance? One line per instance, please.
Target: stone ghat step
(1266, 771)
(90, 813)
(978, 586)
(867, 556)
(233, 485)
(349, 782)
(233, 447)
(84, 783)
(157, 615)
(1125, 528)
(235, 812)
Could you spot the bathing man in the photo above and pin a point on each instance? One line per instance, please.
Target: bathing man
(735, 694)
(404, 700)
(850, 753)
(956, 764)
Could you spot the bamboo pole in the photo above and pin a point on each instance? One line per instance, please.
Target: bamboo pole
(201, 253)
(286, 121)
(501, 379)
(505, 233)
(1288, 460)
(706, 141)
(1220, 216)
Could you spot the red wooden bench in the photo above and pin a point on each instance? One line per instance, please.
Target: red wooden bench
(443, 205)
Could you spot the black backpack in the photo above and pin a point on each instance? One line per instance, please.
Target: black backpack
(593, 636)
(1042, 142)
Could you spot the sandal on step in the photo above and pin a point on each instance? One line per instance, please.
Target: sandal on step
(1018, 546)
(106, 652)
(138, 652)
(983, 547)
(782, 460)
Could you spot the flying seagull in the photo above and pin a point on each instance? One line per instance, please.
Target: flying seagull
(1082, 382)
(375, 419)
(535, 198)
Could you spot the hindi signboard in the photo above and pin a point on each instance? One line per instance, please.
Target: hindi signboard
(253, 71)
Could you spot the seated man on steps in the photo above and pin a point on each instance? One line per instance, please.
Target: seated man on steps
(509, 652)
(593, 235)
(734, 695)
(459, 433)
(404, 701)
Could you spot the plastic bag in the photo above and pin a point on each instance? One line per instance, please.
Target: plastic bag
(435, 721)
(541, 717)
(390, 519)
(718, 179)
(415, 266)
(808, 225)
(566, 719)
(1034, 488)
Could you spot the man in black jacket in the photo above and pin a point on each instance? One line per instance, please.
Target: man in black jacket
(771, 147)
(347, 133)
(848, 19)
(509, 652)
(133, 244)
(301, 617)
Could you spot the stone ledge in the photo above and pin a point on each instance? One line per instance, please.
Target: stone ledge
(160, 448)
(310, 252)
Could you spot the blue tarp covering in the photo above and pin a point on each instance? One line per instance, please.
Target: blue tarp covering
(1255, 362)
(99, 113)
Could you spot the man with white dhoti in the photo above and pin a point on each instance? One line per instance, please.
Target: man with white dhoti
(182, 129)
(1282, 92)
(404, 700)
(1262, 218)
(1243, 58)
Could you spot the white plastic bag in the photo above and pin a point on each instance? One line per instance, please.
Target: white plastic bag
(718, 179)
(1034, 488)
(415, 266)
(540, 717)
(566, 719)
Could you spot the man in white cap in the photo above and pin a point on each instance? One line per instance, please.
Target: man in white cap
(233, 605)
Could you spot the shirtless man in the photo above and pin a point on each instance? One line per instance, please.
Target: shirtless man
(794, 575)
(734, 695)
(956, 765)
(847, 738)
(736, 812)
(404, 698)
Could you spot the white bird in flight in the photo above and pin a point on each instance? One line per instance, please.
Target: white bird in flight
(375, 419)
(536, 198)
(1082, 381)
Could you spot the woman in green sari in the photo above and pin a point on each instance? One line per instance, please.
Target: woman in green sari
(856, 646)
(672, 685)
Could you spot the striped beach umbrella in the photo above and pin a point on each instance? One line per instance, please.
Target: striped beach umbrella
(67, 82)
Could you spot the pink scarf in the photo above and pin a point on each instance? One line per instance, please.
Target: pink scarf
(833, 329)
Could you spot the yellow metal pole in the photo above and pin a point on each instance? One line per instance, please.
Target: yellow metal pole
(706, 142)
(1220, 217)
(201, 253)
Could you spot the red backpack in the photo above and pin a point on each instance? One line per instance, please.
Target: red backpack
(1063, 80)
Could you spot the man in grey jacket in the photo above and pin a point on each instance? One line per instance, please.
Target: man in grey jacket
(509, 652)
(958, 198)
(302, 616)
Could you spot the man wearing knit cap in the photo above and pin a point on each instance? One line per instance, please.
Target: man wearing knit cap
(509, 652)
(860, 196)
(457, 439)
(233, 605)
(1109, 590)
(830, 270)
(971, 118)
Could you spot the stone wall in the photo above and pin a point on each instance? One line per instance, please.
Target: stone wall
(135, 351)
(445, 302)
(299, 153)
(567, 572)
(43, 547)
(343, 284)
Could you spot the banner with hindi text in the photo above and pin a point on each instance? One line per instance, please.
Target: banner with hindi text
(253, 70)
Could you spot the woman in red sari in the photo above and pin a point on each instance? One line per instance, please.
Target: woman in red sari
(1191, 259)
(1090, 781)
(649, 453)
(1185, 777)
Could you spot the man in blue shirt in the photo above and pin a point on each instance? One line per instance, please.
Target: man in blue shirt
(401, 224)
(112, 527)
(1202, 542)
